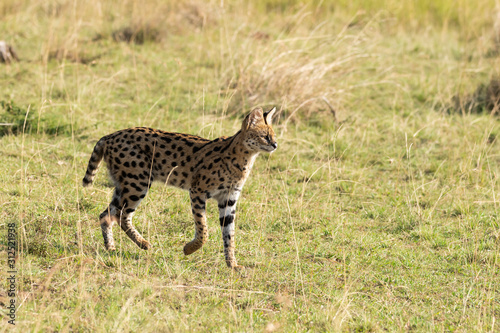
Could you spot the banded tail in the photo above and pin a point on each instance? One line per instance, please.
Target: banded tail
(95, 160)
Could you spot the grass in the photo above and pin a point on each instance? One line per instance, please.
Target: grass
(384, 218)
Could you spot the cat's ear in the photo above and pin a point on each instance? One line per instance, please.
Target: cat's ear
(268, 116)
(253, 118)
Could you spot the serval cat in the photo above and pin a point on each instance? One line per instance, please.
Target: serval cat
(215, 169)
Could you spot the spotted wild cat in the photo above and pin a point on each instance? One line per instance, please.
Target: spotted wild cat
(215, 169)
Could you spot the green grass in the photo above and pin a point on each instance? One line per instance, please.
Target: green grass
(385, 218)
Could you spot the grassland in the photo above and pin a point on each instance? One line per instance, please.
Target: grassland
(378, 212)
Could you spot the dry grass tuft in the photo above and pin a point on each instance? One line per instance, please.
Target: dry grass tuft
(160, 20)
(303, 75)
(198, 14)
(486, 98)
(139, 34)
(75, 56)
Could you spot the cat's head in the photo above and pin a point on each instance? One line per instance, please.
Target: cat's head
(259, 135)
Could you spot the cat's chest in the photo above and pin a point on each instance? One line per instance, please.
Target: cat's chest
(225, 194)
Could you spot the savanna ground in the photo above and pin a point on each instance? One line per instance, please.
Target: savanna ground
(378, 212)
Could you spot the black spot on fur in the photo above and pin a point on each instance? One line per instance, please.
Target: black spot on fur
(226, 220)
(199, 200)
(196, 206)
(228, 203)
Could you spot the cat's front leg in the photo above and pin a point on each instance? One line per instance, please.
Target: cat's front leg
(227, 213)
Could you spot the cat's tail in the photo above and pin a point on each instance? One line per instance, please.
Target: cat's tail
(95, 160)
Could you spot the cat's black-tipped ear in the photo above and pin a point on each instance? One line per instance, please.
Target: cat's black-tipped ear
(268, 116)
(253, 118)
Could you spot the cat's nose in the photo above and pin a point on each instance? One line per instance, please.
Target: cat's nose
(275, 145)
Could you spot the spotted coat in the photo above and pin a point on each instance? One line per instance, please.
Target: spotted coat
(216, 169)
